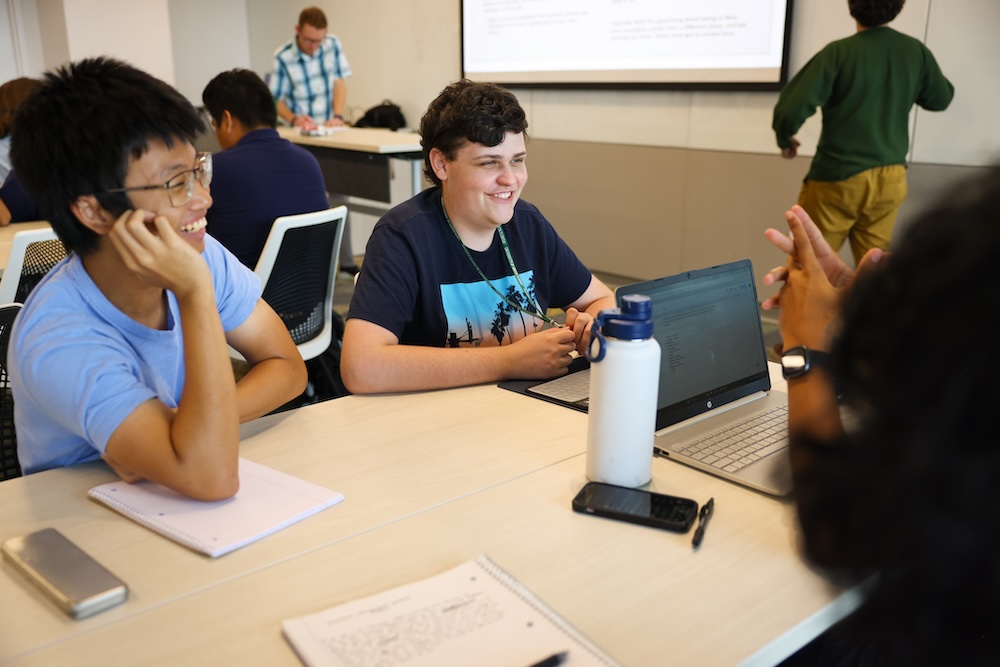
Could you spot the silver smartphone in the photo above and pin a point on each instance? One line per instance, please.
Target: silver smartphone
(74, 580)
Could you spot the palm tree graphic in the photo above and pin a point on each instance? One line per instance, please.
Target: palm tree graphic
(516, 301)
(501, 320)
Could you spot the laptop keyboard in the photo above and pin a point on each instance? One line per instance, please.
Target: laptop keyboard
(571, 388)
(744, 443)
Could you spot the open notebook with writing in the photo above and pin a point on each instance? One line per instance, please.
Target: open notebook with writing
(268, 500)
(474, 614)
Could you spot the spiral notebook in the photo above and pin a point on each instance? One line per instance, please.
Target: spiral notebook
(268, 500)
(473, 614)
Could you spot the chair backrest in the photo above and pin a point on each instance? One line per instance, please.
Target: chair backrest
(298, 269)
(206, 141)
(9, 466)
(32, 254)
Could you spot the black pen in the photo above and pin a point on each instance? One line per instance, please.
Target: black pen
(552, 660)
(703, 516)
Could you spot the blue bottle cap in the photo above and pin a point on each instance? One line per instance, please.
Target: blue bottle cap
(627, 329)
(633, 321)
(637, 307)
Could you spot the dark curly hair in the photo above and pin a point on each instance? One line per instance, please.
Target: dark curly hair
(913, 495)
(77, 132)
(872, 13)
(482, 113)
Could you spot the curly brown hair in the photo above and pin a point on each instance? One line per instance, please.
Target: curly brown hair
(482, 113)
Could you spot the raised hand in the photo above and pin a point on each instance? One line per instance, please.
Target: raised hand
(809, 302)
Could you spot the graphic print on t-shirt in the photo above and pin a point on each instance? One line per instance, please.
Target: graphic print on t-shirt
(477, 317)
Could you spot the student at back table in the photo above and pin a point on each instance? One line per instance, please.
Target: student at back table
(121, 351)
(258, 176)
(467, 264)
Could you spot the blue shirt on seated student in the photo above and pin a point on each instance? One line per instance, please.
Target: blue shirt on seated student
(259, 176)
(89, 412)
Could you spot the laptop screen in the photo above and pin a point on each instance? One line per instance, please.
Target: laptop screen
(707, 323)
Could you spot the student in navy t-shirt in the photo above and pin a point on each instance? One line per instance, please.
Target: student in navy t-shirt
(467, 265)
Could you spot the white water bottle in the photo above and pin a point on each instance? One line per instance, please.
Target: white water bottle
(624, 383)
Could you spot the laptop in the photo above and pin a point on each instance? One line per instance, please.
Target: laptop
(713, 376)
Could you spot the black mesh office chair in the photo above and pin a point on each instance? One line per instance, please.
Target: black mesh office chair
(298, 269)
(32, 254)
(9, 466)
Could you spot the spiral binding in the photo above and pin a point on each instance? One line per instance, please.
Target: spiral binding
(494, 570)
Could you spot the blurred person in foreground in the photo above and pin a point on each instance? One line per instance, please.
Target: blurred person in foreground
(899, 496)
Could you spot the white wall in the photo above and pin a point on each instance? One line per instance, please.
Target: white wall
(10, 53)
(183, 42)
(48, 33)
(137, 32)
(23, 34)
(964, 36)
(208, 38)
(270, 24)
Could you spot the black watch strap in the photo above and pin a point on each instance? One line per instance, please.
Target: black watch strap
(798, 361)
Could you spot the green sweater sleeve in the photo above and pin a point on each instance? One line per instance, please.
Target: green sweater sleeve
(807, 90)
(937, 91)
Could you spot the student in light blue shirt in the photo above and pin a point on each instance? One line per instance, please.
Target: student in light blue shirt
(121, 353)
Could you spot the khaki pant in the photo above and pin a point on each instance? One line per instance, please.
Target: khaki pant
(862, 208)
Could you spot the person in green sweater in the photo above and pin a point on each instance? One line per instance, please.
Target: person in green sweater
(866, 85)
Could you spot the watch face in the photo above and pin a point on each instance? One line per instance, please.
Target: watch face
(794, 362)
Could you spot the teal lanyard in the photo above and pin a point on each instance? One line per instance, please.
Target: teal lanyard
(517, 276)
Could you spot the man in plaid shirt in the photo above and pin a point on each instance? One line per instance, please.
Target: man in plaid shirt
(309, 74)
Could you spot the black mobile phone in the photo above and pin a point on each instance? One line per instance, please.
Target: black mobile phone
(637, 506)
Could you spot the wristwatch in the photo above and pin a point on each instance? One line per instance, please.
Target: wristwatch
(798, 361)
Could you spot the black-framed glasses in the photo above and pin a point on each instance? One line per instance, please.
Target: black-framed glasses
(180, 188)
